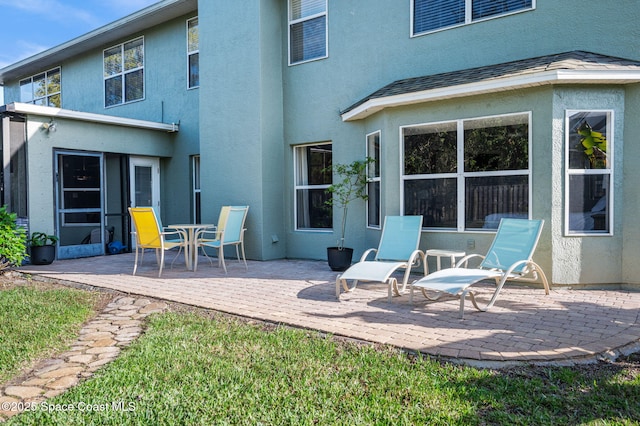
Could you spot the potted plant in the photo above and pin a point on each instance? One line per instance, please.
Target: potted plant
(351, 185)
(12, 240)
(43, 248)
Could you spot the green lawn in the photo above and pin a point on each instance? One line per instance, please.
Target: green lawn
(193, 368)
(36, 321)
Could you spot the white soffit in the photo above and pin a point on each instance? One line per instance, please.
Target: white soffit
(374, 105)
(21, 108)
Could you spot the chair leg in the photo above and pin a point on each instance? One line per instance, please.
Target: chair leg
(221, 258)
(244, 259)
(393, 288)
(161, 263)
(135, 265)
(178, 254)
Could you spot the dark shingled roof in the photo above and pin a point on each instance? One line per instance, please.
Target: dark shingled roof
(574, 61)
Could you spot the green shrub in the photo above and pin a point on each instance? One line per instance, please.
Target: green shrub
(12, 240)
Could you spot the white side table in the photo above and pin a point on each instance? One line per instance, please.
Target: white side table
(439, 254)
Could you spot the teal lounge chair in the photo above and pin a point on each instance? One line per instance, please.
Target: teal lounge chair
(398, 248)
(508, 258)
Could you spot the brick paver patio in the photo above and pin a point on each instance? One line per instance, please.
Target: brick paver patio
(524, 326)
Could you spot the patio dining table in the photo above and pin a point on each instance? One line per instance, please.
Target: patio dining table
(191, 230)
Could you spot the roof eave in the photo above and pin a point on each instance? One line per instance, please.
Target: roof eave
(30, 109)
(374, 105)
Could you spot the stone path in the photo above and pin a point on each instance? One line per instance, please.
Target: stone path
(99, 342)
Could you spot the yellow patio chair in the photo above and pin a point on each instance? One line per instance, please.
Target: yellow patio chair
(149, 235)
(229, 232)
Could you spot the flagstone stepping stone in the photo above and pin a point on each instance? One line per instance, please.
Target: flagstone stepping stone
(98, 343)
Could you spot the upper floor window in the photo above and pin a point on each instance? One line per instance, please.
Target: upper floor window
(124, 73)
(432, 15)
(467, 174)
(589, 145)
(373, 180)
(312, 165)
(42, 89)
(193, 53)
(307, 30)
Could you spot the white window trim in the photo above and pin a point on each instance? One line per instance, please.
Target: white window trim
(375, 178)
(467, 18)
(308, 18)
(296, 187)
(144, 74)
(460, 175)
(45, 97)
(196, 177)
(189, 53)
(584, 172)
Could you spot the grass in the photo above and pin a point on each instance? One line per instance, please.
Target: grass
(195, 368)
(37, 321)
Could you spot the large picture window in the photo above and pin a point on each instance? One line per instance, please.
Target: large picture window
(42, 89)
(467, 174)
(193, 53)
(307, 30)
(124, 73)
(312, 165)
(433, 15)
(589, 144)
(373, 181)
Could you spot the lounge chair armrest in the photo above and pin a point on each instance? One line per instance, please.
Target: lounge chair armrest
(416, 257)
(465, 259)
(366, 254)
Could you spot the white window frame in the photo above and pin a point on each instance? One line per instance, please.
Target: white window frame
(373, 178)
(460, 174)
(123, 73)
(196, 182)
(297, 167)
(193, 52)
(303, 19)
(33, 99)
(609, 172)
(468, 18)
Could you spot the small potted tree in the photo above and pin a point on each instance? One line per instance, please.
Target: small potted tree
(351, 185)
(43, 248)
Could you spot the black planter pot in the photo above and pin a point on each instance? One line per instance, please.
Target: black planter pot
(42, 255)
(339, 258)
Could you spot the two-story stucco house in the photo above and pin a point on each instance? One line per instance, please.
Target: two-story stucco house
(474, 110)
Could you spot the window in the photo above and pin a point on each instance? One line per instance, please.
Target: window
(197, 209)
(589, 144)
(307, 30)
(313, 177)
(467, 174)
(373, 185)
(193, 53)
(124, 73)
(42, 89)
(433, 15)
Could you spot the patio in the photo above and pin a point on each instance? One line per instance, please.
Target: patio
(568, 326)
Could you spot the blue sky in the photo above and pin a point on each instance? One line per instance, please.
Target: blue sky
(28, 27)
